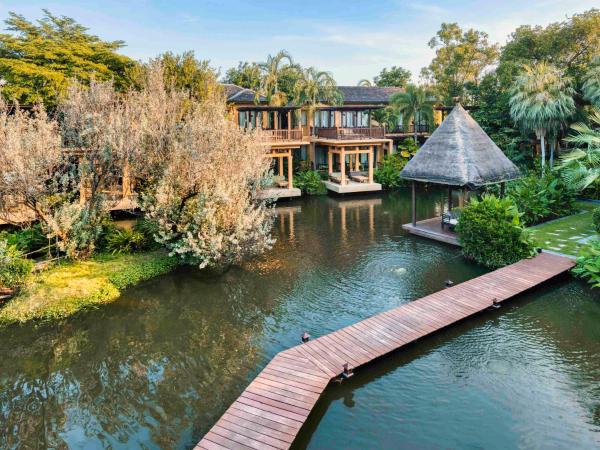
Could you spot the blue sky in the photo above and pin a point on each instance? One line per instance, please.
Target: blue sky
(351, 39)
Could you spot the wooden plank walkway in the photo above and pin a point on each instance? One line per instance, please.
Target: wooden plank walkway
(271, 411)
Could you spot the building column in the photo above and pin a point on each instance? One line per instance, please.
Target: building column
(370, 157)
(290, 173)
(329, 161)
(126, 182)
(280, 166)
(312, 155)
(343, 166)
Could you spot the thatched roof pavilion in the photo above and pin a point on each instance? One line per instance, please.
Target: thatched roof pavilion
(460, 155)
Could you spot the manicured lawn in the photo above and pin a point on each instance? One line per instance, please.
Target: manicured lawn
(66, 288)
(568, 234)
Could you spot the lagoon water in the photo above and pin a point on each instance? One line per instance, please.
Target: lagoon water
(159, 366)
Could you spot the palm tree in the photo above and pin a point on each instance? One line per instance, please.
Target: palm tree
(581, 167)
(269, 84)
(591, 84)
(314, 88)
(541, 101)
(365, 82)
(415, 104)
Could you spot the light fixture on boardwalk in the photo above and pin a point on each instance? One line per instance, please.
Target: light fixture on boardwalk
(305, 337)
(495, 303)
(348, 372)
(449, 283)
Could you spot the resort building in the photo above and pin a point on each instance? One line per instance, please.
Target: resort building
(345, 140)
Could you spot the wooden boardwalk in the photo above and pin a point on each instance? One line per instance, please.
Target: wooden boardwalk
(271, 411)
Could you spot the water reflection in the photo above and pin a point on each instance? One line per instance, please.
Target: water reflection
(158, 367)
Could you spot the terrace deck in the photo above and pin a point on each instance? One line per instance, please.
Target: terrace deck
(271, 411)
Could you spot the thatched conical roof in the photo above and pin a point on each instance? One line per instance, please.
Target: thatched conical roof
(460, 153)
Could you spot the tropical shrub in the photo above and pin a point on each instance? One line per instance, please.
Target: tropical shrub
(26, 240)
(588, 264)
(309, 182)
(542, 197)
(388, 174)
(407, 148)
(13, 267)
(124, 241)
(596, 219)
(490, 232)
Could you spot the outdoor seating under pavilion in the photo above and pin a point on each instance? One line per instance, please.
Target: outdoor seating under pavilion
(461, 156)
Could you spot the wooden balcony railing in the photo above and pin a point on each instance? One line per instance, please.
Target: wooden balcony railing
(281, 135)
(421, 128)
(350, 133)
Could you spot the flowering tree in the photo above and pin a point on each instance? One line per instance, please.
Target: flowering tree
(205, 198)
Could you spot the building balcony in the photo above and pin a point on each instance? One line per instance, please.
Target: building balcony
(357, 133)
(421, 129)
(284, 135)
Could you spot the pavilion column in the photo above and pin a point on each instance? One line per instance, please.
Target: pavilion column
(290, 174)
(449, 198)
(463, 197)
(370, 159)
(343, 164)
(414, 204)
(502, 189)
(126, 181)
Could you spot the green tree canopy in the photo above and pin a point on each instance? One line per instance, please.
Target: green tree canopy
(396, 76)
(417, 102)
(188, 74)
(38, 60)
(246, 75)
(460, 59)
(315, 87)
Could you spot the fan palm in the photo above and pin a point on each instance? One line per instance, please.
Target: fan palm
(269, 84)
(591, 84)
(314, 88)
(416, 103)
(581, 167)
(541, 101)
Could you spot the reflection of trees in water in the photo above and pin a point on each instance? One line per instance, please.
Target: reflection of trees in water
(162, 371)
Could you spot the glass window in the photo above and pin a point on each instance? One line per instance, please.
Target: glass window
(303, 118)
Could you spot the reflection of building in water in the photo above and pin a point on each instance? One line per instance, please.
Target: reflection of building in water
(350, 211)
(286, 214)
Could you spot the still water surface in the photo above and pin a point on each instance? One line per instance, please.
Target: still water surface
(158, 367)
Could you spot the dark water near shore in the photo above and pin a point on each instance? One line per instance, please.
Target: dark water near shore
(158, 367)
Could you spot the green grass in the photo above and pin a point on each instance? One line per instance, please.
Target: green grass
(66, 288)
(569, 234)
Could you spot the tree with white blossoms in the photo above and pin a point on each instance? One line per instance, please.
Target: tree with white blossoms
(37, 178)
(203, 175)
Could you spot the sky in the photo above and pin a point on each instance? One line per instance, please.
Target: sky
(351, 39)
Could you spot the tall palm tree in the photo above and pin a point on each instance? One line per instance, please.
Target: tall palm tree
(415, 104)
(541, 101)
(581, 167)
(269, 85)
(314, 88)
(365, 82)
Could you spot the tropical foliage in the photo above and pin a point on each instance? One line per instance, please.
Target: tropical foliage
(272, 79)
(13, 267)
(588, 264)
(541, 197)
(581, 166)
(315, 87)
(591, 84)
(415, 104)
(309, 182)
(388, 173)
(541, 101)
(395, 76)
(491, 233)
(39, 60)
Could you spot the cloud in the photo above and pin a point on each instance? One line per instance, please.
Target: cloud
(428, 9)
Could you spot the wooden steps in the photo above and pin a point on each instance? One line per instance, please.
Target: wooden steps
(271, 411)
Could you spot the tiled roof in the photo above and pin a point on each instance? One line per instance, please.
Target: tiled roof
(238, 94)
(368, 94)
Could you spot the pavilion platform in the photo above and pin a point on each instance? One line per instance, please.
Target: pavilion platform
(277, 193)
(352, 187)
(432, 229)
